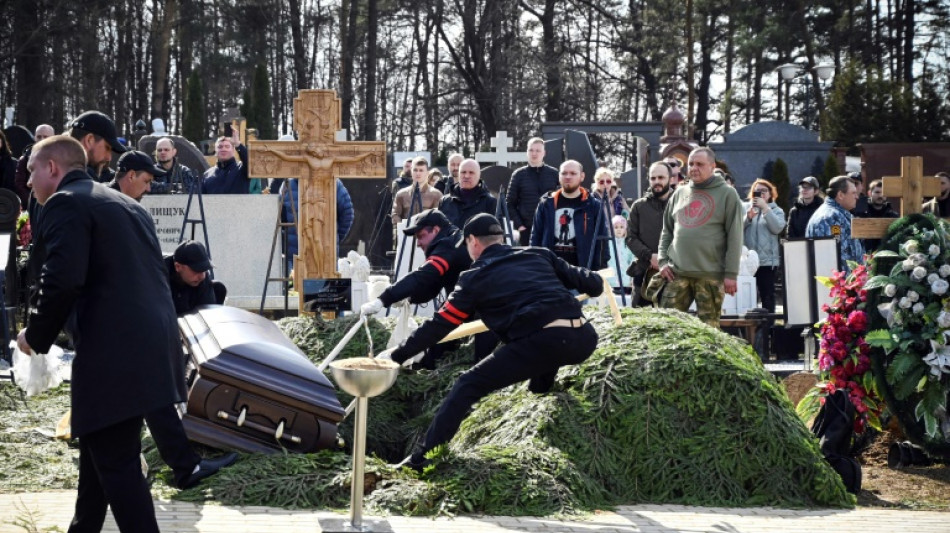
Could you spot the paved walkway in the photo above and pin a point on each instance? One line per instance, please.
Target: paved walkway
(49, 510)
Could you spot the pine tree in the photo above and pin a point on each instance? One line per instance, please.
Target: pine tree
(193, 120)
(263, 107)
(780, 180)
(831, 170)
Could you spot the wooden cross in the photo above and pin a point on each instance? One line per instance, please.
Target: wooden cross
(317, 158)
(911, 187)
(501, 142)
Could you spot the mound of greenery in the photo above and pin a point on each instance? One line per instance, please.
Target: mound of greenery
(666, 410)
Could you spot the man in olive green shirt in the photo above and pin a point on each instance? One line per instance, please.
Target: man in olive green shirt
(701, 241)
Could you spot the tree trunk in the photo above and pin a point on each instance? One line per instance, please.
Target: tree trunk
(161, 39)
(300, 52)
(369, 118)
(29, 37)
(348, 13)
(909, 33)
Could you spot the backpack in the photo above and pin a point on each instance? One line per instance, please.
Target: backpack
(834, 427)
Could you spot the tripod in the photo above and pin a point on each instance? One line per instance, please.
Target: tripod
(414, 202)
(501, 213)
(611, 237)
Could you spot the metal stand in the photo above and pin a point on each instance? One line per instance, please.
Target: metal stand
(612, 242)
(809, 335)
(501, 213)
(195, 221)
(364, 383)
(414, 202)
(281, 228)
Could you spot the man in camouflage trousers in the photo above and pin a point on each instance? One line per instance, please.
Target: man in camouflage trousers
(701, 241)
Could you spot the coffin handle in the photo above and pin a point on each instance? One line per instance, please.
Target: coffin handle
(278, 433)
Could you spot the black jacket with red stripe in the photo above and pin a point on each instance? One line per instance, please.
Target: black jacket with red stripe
(515, 291)
(445, 260)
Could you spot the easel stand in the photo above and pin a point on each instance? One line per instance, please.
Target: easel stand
(612, 241)
(280, 229)
(195, 221)
(414, 203)
(501, 213)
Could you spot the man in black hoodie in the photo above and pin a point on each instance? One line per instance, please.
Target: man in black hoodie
(809, 198)
(878, 207)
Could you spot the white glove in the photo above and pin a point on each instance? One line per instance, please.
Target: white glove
(387, 354)
(371, 308)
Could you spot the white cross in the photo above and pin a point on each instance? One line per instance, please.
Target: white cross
(501, 142)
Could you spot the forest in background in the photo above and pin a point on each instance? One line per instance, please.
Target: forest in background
(445, 75)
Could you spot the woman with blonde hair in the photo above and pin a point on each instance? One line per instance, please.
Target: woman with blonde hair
(605, 186)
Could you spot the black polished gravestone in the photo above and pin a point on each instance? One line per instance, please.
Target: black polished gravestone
(574, 145)
(495, 177)
(372, 204)
(19, 138)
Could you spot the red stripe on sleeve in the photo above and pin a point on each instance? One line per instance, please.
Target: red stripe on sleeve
(440, 264)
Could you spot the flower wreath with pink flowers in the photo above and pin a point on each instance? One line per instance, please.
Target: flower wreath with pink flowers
(844, 357)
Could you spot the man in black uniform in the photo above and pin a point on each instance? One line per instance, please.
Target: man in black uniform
(523, 295)
(188, 277)
(446, 258)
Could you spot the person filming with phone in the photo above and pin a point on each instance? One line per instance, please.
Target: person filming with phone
(764, 221)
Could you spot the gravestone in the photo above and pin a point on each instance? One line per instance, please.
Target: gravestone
(495, 177)
(239, 231)
(501, 142)
(317, 158)
(752, 150)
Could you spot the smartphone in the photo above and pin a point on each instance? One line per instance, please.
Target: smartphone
(756, 194)
(228, 132)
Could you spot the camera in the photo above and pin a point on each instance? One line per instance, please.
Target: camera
(756, 194)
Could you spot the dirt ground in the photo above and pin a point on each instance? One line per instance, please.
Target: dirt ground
(911, 487)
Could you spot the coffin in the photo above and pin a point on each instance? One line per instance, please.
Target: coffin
(251, 389)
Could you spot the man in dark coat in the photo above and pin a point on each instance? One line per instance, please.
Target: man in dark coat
(188, 277)
(100, 269)
(228, 176)
(469, 196)
(524, 296)
(644, 225)
(526, 187)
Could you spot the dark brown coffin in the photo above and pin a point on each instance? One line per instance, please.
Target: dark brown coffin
(242, 362)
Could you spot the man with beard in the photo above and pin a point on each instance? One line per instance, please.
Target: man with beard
(566, 221)
(180, 178)
(445, 184)
(701, 242)
(878, 207)
(940, 205)
(644, 225)
(446, 258)
(96, 133)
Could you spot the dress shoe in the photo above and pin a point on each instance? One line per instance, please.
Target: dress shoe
(416, 462)
(208, 468)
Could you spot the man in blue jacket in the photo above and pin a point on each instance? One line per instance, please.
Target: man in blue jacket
(344, 216)
(570, 222)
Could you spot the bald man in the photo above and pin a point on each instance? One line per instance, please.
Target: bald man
(468, 197)
(566, 221)
(22, 177)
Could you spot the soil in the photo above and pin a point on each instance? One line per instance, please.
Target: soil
(909, 487)
(925, 487)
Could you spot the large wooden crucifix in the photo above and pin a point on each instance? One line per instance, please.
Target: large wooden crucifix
(317, 159)
(911, 187)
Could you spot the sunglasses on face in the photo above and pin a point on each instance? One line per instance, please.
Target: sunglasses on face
(601, 182)
(673, 163)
